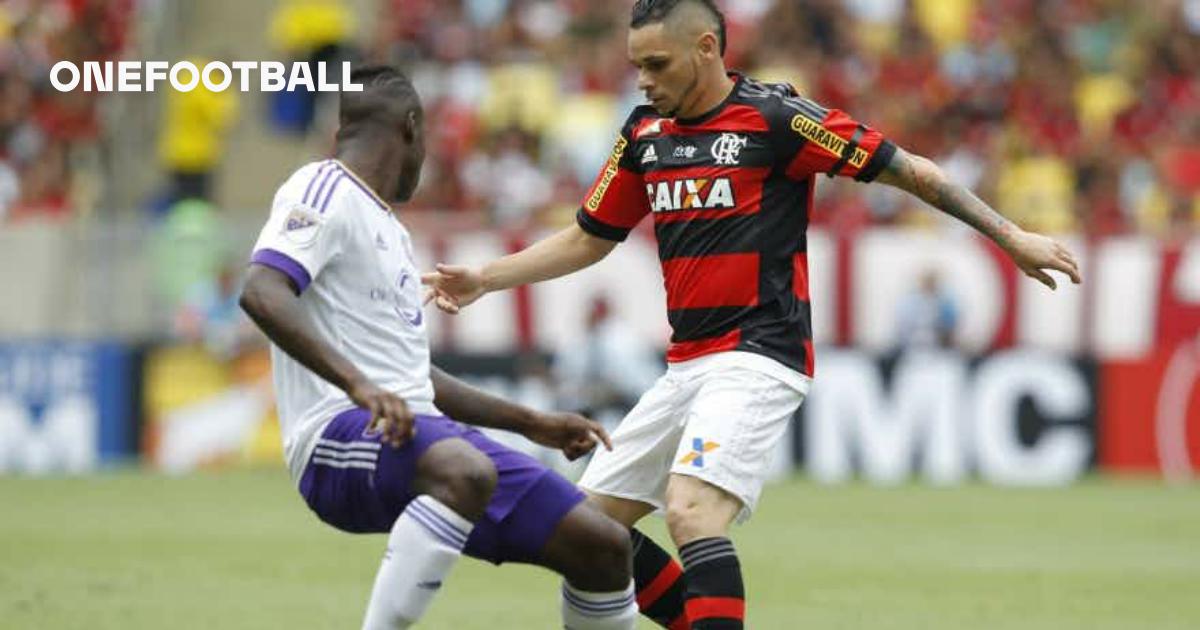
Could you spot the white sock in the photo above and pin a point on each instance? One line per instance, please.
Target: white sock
(424, 544)
(582, 610)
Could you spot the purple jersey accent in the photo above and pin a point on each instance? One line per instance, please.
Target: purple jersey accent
(321, 187)
(526, 507)
(315, 177)
(329, 196)
(288, 265)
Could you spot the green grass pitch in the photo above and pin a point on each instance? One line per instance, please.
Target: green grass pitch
(128, 550)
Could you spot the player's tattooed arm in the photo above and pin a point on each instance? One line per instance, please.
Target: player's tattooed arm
(571, 433)
(1033, 253)
(924, 179)
(270, 300)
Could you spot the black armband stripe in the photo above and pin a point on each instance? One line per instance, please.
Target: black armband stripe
(848, 152)
(882, 158)
(600, 229)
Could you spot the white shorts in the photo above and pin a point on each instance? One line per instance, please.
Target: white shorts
(718, 418)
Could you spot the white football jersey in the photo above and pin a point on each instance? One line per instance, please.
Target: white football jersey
(352, 261)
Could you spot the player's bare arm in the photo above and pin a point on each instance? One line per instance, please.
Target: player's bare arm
(571, 433)
(1032, 253)
(452, 287)
(269, 299)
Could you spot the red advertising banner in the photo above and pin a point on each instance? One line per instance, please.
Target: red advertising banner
(1150, 413)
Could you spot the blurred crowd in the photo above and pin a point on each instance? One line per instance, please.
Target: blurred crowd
(1069, 115)
(48, 139)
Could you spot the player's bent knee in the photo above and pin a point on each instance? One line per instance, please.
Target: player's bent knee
(458, 475)
(593, 552)
(609, 556)
(695, 515)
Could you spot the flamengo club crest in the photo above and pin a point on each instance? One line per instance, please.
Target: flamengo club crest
(728, 149)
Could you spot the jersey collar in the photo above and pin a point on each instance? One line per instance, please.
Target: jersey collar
(363, 185)
(712, 113)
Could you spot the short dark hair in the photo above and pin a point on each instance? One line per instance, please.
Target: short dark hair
(655, 11)
(386, 89)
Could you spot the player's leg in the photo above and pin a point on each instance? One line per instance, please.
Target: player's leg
(537, 517)
(629, 482)
(698, 516)
(453, 485)
(426, 495)
(657, 576)
(592, 553)
(735, 423)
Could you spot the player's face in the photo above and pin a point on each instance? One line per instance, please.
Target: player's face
(412, 159)
(668, 68)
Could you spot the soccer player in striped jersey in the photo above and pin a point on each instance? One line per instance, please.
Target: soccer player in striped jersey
(726, 167)
(366, 419)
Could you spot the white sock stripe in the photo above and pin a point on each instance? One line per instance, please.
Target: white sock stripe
(450, 536)
(449, 529)
(463, 526)
(594, 605)
(371, 446)
(421, 514)
(446, 513)
(369, 456)
(338, 463)
(601, 608)
(434, 530)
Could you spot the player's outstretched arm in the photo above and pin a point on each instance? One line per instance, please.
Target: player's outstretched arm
(452, 287)
(571, 433)
(1033, 253)
(268, 298)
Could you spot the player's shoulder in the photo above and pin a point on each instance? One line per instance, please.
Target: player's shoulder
(641, 120)
(317, 187)
(302, 183)
(779, 102)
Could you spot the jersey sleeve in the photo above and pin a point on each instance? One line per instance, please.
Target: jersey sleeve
(815, 140)
(617, 200)
(297, 239)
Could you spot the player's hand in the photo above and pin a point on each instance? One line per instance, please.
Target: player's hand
(389, 413)
(452, 287)
(570, 433)
(1035, 254)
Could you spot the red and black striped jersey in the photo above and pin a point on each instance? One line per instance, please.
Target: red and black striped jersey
(730, 193)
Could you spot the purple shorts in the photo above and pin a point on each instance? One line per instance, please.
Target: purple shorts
(358, 484)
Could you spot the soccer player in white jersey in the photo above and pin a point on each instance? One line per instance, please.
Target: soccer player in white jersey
(366, 419)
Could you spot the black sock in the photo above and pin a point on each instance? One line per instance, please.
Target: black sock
(715, 599)
(658, 579)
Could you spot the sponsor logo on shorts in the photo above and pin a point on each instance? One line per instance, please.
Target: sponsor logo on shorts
(699, 448)
(817, 134)
(609, 174)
